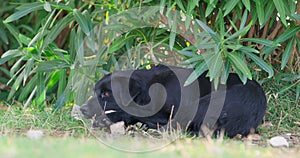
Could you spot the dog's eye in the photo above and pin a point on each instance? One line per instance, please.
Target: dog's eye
(104, 94)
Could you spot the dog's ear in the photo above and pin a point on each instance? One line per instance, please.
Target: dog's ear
(134, 93)
(129, 82)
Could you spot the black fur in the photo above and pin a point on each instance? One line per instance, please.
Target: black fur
(243, 110)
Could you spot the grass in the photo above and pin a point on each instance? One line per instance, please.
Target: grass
(17, 146)
(283, 110)
(66, 137)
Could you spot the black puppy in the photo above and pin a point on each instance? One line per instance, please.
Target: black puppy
(156, 97)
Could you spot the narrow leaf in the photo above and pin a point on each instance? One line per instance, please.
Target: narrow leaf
(287, 53)
(24, 10)
(47, 7)
(214, 35)
(265, 42)
(229, 6)
(279, 4)
(239, 64)
(240, 32)
(262, 64)
(247, 4)
(260, 10)
(3, 35)
(288, 33)
(56, 30)
(297, 92)
(296, 16)
(84, 22)
(196, 73)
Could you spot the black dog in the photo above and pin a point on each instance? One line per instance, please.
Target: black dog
(135, 96)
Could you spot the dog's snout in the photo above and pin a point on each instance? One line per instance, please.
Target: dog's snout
(84, 109)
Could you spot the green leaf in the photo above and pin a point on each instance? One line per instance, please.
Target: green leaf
(240, 32)
(51, 66)
(61, 6)
(225, 72)
(180, 5)
(230, 4)
(29, 99)
(61, 101)
(41, 90)
(260, 10)
(296, 16)
(14, 31)
(173, 31)
(28, 69)
(57, 28)
(247, 4)
(248, 49)
(297, 92)
(287, 53)
(269, 11)
(220, 22)
(9, 55)
(85, 23)
(62, 82)
(262, 64)
(267, 51)
(24, 39)
(197, 58)
(214, 35)
(238, 63)
(5, 59)
(3, 35)
(16, 66)
(279, 4)
(291, 77)
(244, 19)
(196, 73)
(187, 53)
(16, 85)
(24, 10)
(215, 65)
(47, 7)
(209, 9)
(265, 42)
(288, 33)
(118, 44)
(28, 88)
(191, 6)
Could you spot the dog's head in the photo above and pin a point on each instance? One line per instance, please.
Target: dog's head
(135, 89)
(92, 110)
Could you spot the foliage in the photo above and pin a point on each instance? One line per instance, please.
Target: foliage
(52, 49)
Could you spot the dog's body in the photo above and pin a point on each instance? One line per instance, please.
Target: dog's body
(241, 109)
